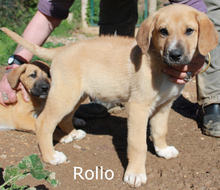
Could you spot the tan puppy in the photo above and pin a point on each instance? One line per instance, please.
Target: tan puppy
(120, 69)
(22, 115)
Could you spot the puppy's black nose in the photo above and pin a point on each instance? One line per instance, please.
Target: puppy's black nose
(44, 88)
(175, 55)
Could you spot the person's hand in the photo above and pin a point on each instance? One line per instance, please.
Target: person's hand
(8, 95)
(178, 73)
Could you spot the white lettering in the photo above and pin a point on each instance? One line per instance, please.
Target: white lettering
(79, 174)
(97, 174)
(92, 176)
(106, 175)
(101, 175)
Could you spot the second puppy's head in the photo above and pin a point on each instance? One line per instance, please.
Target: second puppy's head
(34, 76)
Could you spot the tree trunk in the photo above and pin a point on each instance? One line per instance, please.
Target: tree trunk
(152, 4)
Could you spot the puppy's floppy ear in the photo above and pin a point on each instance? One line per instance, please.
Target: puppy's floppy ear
(14, 75)
(43, 66)
(145, 33)
(208, 36)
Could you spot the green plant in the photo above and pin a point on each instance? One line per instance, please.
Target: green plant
(65, 29)
(17, 13)
(7, 46)
(76, 10)
(93, 20)
(31, 165)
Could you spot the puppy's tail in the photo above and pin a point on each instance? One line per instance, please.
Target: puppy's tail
(44, 53)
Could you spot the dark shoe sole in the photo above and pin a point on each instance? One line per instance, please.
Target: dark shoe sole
(91, 110)
(211, 120)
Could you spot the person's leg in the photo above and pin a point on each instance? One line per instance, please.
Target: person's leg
(117, 17)
(208, 83)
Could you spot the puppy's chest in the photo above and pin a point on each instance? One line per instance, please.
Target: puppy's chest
(37, 110)
(168, 91)
(36, 113)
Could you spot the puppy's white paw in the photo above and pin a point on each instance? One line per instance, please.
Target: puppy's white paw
(168, 153)
(79, 122)
(78, 134)
(59, 158)
(135, 180)
(74, 135)
(66, 139)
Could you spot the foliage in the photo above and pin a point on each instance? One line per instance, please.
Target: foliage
(95, 17)
(31, 165)
(16, 13)
(76, 10)
(7, 46)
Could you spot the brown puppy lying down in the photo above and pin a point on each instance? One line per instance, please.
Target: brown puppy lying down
(22, 115)
(118, 69)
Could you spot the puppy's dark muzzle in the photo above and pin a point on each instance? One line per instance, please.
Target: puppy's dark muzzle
(176, 57)
(41, 88)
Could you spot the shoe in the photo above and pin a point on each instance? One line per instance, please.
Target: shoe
(97, 109)
(111, 107)
(211, 120)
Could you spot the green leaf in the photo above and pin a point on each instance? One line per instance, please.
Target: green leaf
(12, 173)
(53, 182)
(42, 174)
(16, 187)
(51, 179)
(36, 162)
(31, 165)
(31, 162)
(23, 163)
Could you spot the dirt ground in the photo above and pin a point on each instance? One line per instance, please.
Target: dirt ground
(104, 152)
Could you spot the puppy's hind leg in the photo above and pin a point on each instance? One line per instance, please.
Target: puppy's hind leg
(159, 128)
(67, 126)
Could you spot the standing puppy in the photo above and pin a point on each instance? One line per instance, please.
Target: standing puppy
(120, 69)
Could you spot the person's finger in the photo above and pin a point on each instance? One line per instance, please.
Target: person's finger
(24, 92)
(177, 80)
(11, 96)
(8, 95)
(175, 73)
(2, 101)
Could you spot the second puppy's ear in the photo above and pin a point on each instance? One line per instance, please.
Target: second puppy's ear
(13, 76)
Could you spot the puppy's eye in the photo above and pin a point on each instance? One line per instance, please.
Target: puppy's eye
(164, 32)
(33, 75)
(189, 31)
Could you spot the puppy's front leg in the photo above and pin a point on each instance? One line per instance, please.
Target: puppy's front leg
(159, 128)
(45, 127)
(135, 174)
